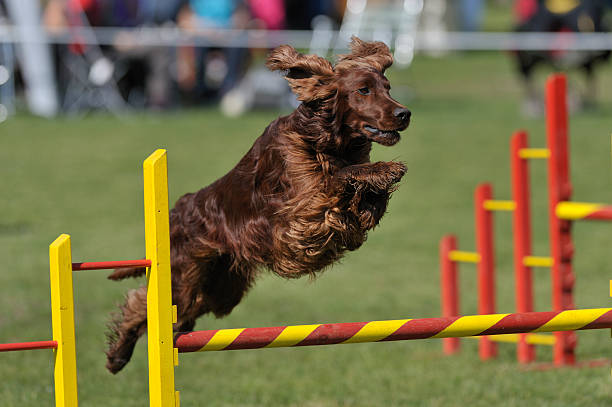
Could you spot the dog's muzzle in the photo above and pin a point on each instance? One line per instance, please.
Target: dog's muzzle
(384, 137)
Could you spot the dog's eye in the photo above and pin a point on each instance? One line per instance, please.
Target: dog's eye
(364, 91)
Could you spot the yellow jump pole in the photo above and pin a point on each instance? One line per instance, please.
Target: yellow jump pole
(62, 316)
(159, 292)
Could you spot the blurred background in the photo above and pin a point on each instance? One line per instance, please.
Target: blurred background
(89, 88)
(74, 56)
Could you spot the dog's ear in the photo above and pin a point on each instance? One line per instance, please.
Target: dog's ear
(375, 54)
(309, 76)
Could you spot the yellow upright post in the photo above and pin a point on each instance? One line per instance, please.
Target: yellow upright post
(62, 315)
(159, 291)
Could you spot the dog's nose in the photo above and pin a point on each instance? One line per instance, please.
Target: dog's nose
(402, 113)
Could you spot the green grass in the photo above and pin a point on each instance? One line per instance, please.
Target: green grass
(83, 177)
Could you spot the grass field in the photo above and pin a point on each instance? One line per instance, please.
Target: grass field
(83, 177)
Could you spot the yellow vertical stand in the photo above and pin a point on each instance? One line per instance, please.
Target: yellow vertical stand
(159, 291)
(62, 314)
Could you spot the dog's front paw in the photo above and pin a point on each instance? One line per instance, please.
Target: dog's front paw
(378, 176)
(396, 171)
(382, 176)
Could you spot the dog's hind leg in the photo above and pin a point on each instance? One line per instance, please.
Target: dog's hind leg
(131, 322)
(126, 328)
(219, 293)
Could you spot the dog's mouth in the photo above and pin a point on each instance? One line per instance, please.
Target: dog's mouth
(384, 137)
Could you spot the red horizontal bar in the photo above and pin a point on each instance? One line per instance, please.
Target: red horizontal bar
(604, 213)
(10, 347)
(99, 265)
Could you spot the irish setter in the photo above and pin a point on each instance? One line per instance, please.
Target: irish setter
(304, 194)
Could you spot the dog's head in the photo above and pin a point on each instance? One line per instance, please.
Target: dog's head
(355, 89)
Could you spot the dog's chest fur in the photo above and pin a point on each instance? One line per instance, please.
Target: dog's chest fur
(311, 227)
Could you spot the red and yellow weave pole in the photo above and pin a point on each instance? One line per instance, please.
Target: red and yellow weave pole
(484, 206)
(394, 330)
(561, 213)
(449, 288)
(560, 189)
(521, 225)
(486, 266)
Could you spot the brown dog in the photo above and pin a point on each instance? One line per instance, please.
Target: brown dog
(305, 193)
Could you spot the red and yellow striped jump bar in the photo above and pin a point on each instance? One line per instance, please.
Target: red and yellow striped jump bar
(395, 330)
(582, 210)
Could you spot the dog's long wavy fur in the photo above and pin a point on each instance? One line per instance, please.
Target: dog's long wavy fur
(304, 194)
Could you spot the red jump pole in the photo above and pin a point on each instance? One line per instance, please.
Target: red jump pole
(450, 290)
(11, 347)
(560, 189)
(521, 223)
(99, 265)
(486, 277)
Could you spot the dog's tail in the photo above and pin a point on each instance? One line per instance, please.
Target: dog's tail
(127, 272)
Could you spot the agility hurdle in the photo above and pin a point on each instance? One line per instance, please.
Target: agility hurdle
(62, 321)
(495, 327)
(560, 211)
(164, 347)
(161, 381)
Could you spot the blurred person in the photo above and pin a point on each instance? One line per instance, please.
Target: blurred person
(141, 73)
(268, 14)
(300, 13)
(470, 14)
(456, 15)
(212, 71)
(559, 16)
(155, 62)
(259, 87)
